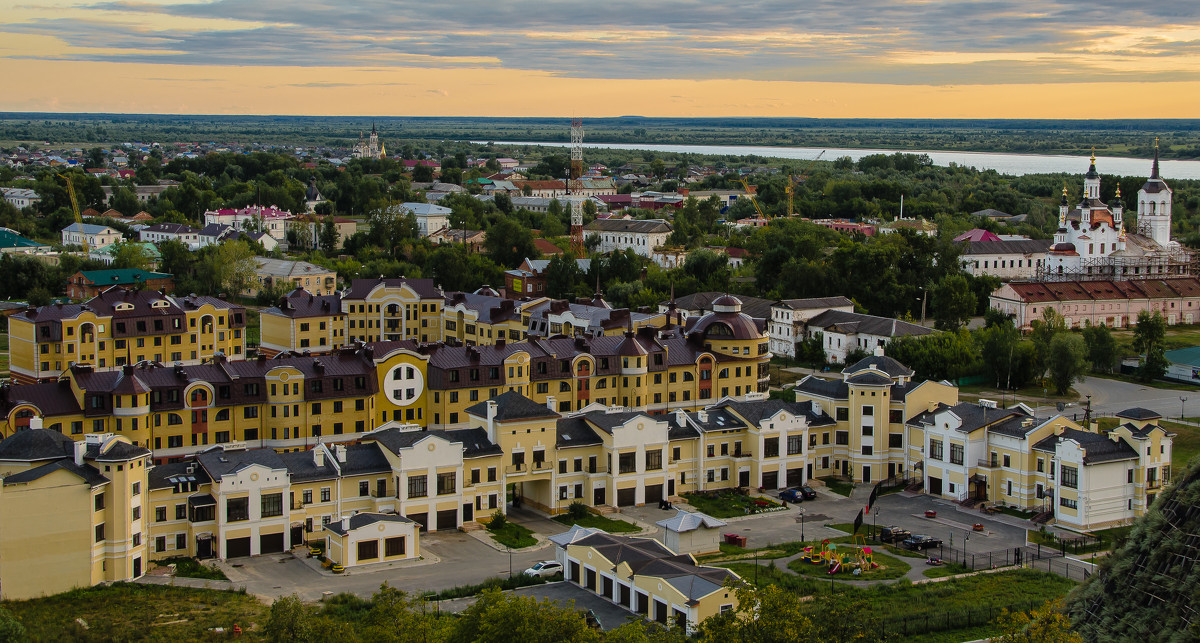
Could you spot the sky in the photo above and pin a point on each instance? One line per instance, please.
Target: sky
(795, 58)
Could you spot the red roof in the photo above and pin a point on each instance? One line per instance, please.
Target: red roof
(546, 248)
(978, 234)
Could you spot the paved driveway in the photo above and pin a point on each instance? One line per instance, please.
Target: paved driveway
(1111, 396)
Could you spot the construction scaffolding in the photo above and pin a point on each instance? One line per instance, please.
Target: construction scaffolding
(1177, 262)
(576, 200)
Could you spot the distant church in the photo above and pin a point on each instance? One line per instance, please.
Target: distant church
(369, 148)
(1091, 242)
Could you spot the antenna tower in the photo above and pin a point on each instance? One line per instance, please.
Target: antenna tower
(576, 174)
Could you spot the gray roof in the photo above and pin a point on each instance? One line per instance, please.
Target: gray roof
(87, 473)
(1139, 413)
(633, 226)
(865, 324)
(755, 307)
(883, 363)
(512, 406)
(165, 476)
(574, 534)
(576, 431)
(36, 444)
(821, 387)
(218, 462)
(1010, 247)
(285, 268)
(690, 521)
(360, 520)
(762, 409)
(1097, 448)
(816, 302)
(869, 379)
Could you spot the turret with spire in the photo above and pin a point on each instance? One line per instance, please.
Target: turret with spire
(1154, 205)
(1063, 208)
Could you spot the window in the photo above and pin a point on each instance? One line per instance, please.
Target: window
(272, 505)
(653, 460)
(306, 497)
(843, 414)
(1041, 465)
(136, 514)
(1068, 503)
(956, 454)
(491, 474)
(99, 503)
(418, 486)
(935, 449)
(1070, 478)
(324, 494)
(895, 440)
(237, 509)
(180, 512)
(364, 488)
(160, 514)
(868, 450)
(368, 549)
(99, 532)
(841, 437)
(393, 546)
(447, 483)
(627, 463)
(137, 489)
(1007, 462)
(771, 448)
(795, 444)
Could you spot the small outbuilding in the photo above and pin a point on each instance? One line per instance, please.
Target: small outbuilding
(690, 532)
(366, 538)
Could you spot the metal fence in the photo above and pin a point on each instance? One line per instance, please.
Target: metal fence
(942, 621)
(1036, 557)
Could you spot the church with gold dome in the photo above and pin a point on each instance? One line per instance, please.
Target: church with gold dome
(1092, 241)
(369, 148)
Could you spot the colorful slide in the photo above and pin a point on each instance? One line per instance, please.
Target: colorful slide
(837, 567)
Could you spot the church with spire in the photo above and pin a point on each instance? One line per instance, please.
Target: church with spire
(369, 148)
(1092, 241)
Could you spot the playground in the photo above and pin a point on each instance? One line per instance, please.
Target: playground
(847, 561)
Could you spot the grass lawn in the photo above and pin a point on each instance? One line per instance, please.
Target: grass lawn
(725, 503)
(513, 536)
(889, 567)
(891, 549)
(192, 568)
(764, 575)
(595, 521)
(1016, 513)
(134, 612)
(947, 569)
(837, 485)
(769, 552)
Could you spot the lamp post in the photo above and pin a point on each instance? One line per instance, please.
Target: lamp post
(801, 525)
(509, 550)
(875, 524)
(1182, 401)
(1087, 414)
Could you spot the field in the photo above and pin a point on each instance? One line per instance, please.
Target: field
(134, 612)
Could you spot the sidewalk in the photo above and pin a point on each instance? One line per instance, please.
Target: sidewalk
(196, 583)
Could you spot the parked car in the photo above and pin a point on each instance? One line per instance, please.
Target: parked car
(809, 492)
(894, 534)
(791, 495)
(922, 541)
(545, 568)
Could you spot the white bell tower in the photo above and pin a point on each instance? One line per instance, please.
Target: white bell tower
(1154, 206)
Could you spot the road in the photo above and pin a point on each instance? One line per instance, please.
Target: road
(1112, 396)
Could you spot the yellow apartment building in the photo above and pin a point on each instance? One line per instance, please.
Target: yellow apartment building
(72, 514)
(121, 327)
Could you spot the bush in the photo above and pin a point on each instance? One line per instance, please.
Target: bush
(577, 510)
(498, 521)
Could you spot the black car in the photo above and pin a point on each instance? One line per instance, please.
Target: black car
(894, 534)
(922, 542)
(808, 492)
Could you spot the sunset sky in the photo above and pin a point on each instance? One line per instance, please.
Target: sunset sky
(818, 58)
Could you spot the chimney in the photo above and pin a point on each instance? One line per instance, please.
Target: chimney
(681, 417)
(491, 420)
(550, 402)
(702, 415)
(80, 449)
(345, 523)
(319, 456)
(340, 450)
(879, 350)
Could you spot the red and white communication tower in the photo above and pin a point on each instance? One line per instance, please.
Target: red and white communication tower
(576, 200)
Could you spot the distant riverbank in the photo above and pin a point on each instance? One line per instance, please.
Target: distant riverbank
(1014, 164)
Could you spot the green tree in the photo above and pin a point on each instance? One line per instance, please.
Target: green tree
(1149, 339)
(1102, 347)
(1042, 332)
(131, 255)
(422, 173)
(762, 615)
(232, 267)
(502, 617)
(710, 268)
(1067, 360)
(123, 200)
(953, 302)
(329, 235)
(508, 243)
(1046, 624)
(563, 276)
(11, 630)
(289, 621)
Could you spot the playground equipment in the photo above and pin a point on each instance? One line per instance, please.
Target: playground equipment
(858, 560)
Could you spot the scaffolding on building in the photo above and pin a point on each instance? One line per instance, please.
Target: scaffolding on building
(1176, 262)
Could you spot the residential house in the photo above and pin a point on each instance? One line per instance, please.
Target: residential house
(1115, 304)
(87, 284)
(92, 235)
(293, 274)
(161, 232)
(430, 218)
(845, 333)
(789, 319)
(529, 279)
(21, 197)
(643, 236)
(1010, 260)
(255, 218)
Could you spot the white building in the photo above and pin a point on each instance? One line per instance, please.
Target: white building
(1018, 259)
(160, 232)
(845, 332)
(643, 235)
(270, 220)
(96, 236)
(1091, 241)
(21, 197)
(430, 218)
(789, 317)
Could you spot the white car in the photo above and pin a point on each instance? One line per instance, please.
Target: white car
(545, 568)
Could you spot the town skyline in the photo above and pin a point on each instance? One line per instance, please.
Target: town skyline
(899, 60)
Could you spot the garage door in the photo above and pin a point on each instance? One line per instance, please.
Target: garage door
(626, 497)
(654, 493)
(270, 543)
(421, 518)
(935, 486)
(237, 547)
(795, 477)
(770, 479)
(447, 519)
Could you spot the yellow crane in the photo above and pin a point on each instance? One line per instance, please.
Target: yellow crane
(75, 209)
(791, 182)
(752, 199)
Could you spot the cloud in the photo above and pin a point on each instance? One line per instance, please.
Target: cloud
(872, 41)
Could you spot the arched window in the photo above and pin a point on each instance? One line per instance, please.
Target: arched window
(222, 415)
(173, 419)
(199, 396)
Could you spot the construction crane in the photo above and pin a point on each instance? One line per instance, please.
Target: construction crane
(752, 199)
(790, 188)
(75, 209)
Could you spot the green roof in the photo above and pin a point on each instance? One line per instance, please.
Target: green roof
(1189, 356)
(122, 276)
(149, 249)
(10, 239)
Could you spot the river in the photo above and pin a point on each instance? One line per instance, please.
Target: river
(1015, 164)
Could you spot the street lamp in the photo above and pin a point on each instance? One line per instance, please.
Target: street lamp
(1182, 401)
(801, 525)
(875, 524)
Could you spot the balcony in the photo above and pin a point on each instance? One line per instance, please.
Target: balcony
(989, 464)
(742, 454)
(1154, 484)
(540, 466)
